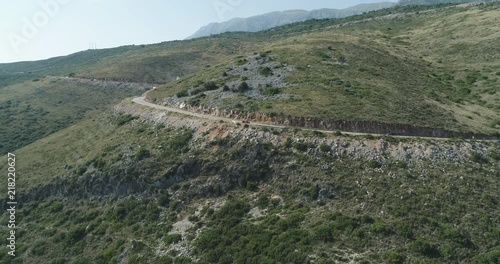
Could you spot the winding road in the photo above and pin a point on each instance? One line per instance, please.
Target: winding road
(143, 102)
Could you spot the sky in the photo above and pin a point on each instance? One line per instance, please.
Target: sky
(40, 29)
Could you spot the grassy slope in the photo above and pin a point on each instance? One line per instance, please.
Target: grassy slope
(31, 110)
(436, 69)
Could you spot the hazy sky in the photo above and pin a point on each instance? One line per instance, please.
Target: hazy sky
(39, 29)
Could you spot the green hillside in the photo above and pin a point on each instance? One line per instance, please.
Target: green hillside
(436, 68)
(125, 189)
(34, 108)
(100, 179)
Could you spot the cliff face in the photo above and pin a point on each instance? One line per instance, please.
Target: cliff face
(332, 125)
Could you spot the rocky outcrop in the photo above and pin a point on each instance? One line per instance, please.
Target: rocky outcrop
(339, 146)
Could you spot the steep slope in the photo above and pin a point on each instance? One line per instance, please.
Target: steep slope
(143, 186)
(275, 19)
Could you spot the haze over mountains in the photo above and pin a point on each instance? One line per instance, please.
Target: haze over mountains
(275, 19)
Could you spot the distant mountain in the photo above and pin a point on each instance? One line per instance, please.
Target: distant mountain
(434, 2)
(275, 19)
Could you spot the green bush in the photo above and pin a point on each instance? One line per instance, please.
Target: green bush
(39, 248)
(380, 227)
(302, 146)
(374, 164)
(210, 86)
(75, 234)
(270, 91)
(121, 120)
(142, 153)
(172, 239)
(265, 71)
(164, 199)
(495, 155)
(324, 148)
(263, 201)
(425, 248)
(478, 158)
(243, 87)
(183, 93)
(196, 91)
(58, 261)
(395, 257)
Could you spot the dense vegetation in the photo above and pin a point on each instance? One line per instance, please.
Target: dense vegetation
(147, 196)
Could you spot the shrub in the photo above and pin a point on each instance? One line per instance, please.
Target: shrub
(172, 239)
(197, 91)
(181, 94)
(314, 192)
(478, 158)
(58, 261)
(142, 154)
(263, 201)
(270, 91)
(39, 248)
(265, 71)
(210, 86)
(301, 146)
(323, 233)
(324, 148)
(495, 155)
(395, 257)
(225, 88)
(75, 234)
(425, 248)
(164, 199)
(380, 227)
(374, 164)
(243, 87)
(241, 62)
(124, 119)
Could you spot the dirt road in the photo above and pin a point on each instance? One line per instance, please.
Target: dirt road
(142, 101)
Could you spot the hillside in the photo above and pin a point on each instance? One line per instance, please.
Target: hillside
(145, 186)
(103, 179)
(433, 69)
(35, 108)
(275, 19)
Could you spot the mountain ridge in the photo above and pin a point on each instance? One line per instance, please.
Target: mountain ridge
(280, 18)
